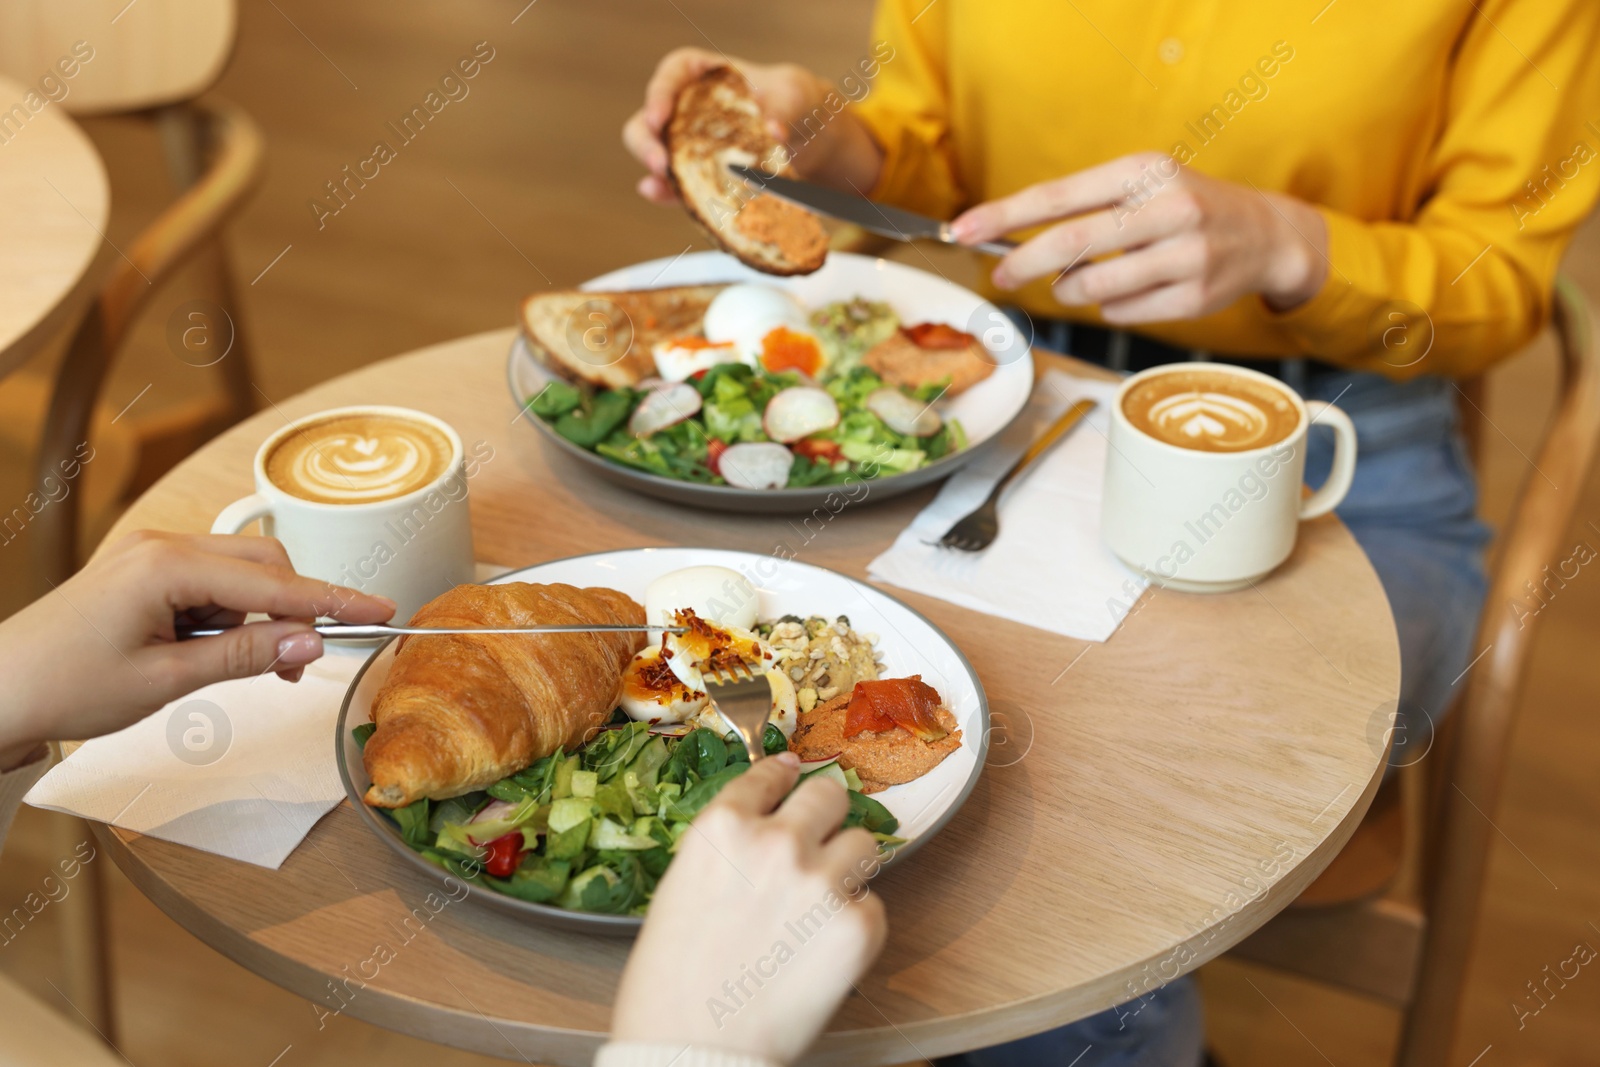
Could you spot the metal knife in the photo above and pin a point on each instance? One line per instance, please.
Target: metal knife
(869, 215)
(354, 632)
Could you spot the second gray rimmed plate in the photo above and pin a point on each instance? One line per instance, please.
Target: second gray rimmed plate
(984, 410)
(908, 642)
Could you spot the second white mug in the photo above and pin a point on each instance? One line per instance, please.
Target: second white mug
(1213, 521)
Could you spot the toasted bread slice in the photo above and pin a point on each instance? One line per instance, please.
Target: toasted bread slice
(606, 338)
(716, 121)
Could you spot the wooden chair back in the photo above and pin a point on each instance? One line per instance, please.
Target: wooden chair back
(1409, 946)
(98, 56)
(1466, 782)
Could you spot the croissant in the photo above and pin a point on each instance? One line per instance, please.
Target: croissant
(459, 712)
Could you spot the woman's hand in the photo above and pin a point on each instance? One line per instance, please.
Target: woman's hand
(827, 147)
(1190, 244)
(98, 652)
(762, 924)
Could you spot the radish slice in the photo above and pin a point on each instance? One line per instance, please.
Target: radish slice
(492, 811)
(904, 414)
(756, 465)
(813, 764)
(663, 407)
(799, 411)
(495, 809)
(650, 385)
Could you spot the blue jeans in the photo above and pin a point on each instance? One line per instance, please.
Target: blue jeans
(1412, 508)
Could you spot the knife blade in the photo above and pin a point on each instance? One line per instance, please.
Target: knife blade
(355, 632)
(870, 215)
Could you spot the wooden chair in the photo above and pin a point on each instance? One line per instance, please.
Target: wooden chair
(36, 1035)
(150, 61)
(1411, 949)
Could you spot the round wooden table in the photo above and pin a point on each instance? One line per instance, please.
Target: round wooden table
(1148, 802)
(54, 199)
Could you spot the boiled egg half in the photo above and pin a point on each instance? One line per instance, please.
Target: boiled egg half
(767, 325)
(651, 692)
(710, 648)
(682, 357)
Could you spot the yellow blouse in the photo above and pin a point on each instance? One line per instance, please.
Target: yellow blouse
(1452, 145)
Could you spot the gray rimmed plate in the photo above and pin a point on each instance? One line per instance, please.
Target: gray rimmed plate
(908, 641)
(985, 410)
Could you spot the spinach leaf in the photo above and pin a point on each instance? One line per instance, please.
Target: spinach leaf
(869, 814)
(555, 400)
(538, 880)
(689, 805)
(710, 752)
(413, 822)
(362, 733)
(591, 423)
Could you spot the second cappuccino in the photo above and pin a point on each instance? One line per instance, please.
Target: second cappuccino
(1210, 411)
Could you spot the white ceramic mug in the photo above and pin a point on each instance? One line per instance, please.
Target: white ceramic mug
(1210, 522)
(408, 548)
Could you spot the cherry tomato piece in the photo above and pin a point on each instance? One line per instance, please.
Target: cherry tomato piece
(505, 855)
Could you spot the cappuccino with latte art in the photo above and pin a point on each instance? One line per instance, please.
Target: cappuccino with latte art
(358, 459)
(1204, 463)
(373, 497)
(1210, 411)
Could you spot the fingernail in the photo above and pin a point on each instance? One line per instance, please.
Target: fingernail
(391, 605)
(963, 228)
(292, 676)
(1001, 279)
(787, 757)
(297, 650)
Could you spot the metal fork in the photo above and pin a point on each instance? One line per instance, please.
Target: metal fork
(744, 701)
(977, 530)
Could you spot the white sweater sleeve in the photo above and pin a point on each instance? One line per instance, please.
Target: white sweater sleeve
(663, 1054)
(14, 785)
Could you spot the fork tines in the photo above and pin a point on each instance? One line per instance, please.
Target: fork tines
(732, 675)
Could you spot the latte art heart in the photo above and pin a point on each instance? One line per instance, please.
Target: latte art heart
(1211, 411)
(1202, 417)
(356, 459)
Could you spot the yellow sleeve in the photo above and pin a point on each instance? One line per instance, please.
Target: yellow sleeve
(1514, 172)
(907, 110)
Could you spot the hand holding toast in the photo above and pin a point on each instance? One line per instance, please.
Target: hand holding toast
(842, 154)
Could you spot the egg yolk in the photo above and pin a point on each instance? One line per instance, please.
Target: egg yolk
(784, 349)
(652, 680)
(695, 344)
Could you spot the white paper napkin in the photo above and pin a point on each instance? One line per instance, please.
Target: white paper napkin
(242, 768)
(1048, 568)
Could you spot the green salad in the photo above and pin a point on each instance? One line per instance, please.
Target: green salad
(595, 829)
(756, 428)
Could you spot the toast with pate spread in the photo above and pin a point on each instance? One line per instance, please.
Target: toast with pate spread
(716, 121)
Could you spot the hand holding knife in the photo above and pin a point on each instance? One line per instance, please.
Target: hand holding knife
(871, 216)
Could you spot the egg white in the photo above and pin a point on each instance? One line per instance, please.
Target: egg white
(719, 595)
(675, 363)
(746, 313)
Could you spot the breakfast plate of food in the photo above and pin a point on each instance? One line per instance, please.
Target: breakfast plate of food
(702, 380)
(553, 774)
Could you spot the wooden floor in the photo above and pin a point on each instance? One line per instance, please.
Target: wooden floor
(524, 184)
